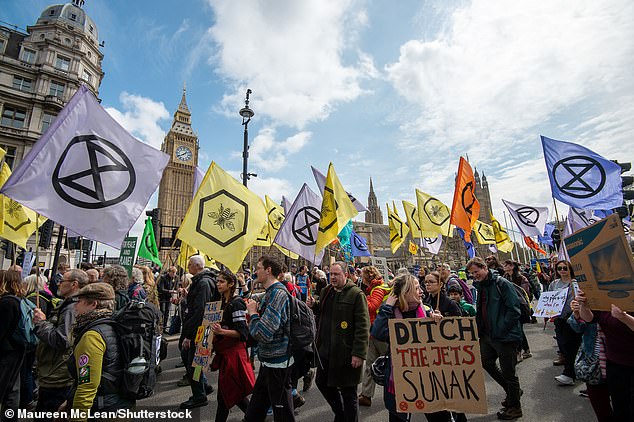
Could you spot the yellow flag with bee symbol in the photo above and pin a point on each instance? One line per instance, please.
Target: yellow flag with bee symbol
(224, 219)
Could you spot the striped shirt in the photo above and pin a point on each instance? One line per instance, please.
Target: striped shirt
(269, 327)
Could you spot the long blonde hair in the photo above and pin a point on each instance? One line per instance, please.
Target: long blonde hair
(402, 287)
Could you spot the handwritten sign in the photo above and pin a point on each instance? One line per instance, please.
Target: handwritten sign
(381, 264)
(550, 304)
(437, 366)
(126, 256)
(603, 264)
(205, 336)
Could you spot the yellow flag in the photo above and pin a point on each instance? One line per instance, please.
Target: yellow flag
(264, 238)
(336, 210)
(433, 214)
(484, 233)
(413, 220)
(502, 240)
(413, 249)
(224, 218)
(187, 252)
(398, 228)
(275, 219)
(18, 221)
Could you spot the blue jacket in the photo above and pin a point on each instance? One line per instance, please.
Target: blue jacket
(502, 312)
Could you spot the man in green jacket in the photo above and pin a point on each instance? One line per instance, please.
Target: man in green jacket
(498, 319)
(342, 342)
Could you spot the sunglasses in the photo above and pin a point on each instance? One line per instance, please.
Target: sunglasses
(562, 268)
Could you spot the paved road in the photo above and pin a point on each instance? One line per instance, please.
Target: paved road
(543, 399)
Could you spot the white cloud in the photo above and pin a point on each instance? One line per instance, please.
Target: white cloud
(291, 54)
(270, 155)
(141, 117)
(499, 69)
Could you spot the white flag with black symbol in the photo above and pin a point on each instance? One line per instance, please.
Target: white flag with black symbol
(530, 220)
(298, 232)
(321, 183)
(432, 244)
(88, 173)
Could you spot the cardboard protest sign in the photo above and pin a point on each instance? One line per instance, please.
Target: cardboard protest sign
(204, 337)
(381, 264)
(603, 265)
(437, 366)
(550, 304)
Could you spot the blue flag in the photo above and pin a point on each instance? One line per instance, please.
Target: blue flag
(547, 239)
(580, 177)
(359, 245)
(468, 245)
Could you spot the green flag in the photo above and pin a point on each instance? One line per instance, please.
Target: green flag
(148, 248)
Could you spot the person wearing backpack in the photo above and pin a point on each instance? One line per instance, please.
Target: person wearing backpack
(376, 292)
(268, 325)
(201, 291)
(11, 351)
(343, 331)
(512, 273)
(498, 320)
(53, 331)
(96, 363)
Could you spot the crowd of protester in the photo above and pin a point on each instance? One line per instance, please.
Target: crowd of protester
(352, 307)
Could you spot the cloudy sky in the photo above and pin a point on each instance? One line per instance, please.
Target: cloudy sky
(396, 91)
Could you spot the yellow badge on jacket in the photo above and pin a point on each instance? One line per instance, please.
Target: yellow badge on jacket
(344, 324)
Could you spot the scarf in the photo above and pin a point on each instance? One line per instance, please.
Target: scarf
(81, 321)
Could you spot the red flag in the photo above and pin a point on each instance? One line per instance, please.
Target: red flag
(465, 208)
(534, 245)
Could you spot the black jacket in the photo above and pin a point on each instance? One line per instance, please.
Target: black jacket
(165, 284)
(447, 306)
(201, 291)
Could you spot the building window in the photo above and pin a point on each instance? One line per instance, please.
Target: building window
(73, 17)
(47, 119)
(90, 28)
(52, 12)
(22, 84)
(87, 77)
(62, 63)
(9, 158)
(13, 116)
(2, 44)
(28, 55)
(56, 89)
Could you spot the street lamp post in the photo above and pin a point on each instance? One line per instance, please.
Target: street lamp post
(246, 114)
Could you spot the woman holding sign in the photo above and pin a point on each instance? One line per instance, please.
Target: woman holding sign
(567, 339)
(404, 302)
(235, 377)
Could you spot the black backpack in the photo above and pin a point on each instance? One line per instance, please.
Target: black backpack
(526, 311)
(137, 328)
(302, 328)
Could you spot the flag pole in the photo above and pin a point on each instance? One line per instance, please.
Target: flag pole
(37, 259)
(558, 225)
(517, 254)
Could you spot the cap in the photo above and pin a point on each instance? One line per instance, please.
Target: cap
(96, 291)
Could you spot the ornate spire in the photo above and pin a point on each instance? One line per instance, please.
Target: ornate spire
(371, 187)
(182, 107)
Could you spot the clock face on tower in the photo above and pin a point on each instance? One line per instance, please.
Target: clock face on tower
(183, 153)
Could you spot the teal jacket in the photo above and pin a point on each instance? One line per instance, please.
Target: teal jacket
(502, 310)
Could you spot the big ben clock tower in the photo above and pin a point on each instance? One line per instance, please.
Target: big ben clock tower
(177, 185)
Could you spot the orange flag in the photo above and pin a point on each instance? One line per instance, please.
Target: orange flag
(534, 245)
(466, 208)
